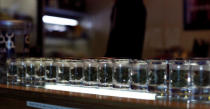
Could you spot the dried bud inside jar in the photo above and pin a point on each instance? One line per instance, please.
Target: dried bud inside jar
(200, 73)
(139, 75)
(105, 72)
(157, 78)
(179, 77)
(76, 72)
(122, 72)
(90, 72)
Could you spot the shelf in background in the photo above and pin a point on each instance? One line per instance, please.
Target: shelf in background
(62, 12)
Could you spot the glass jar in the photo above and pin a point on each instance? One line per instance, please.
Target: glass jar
(105, 72)
(139, 75)
(39, 72)
(63, 71)
(200, 75)
(30, 71)
(12, 73)
(157, 76)
(179, 79)
(21, 68)
(50, 71)
(12, 41)
(122, 70)
(76, 72)
(90, 72)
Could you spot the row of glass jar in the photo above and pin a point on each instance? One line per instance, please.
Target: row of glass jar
(182, 80)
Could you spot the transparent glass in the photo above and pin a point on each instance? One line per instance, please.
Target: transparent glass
(200, 75)
(122, 70)
(50, 70)
(21, 68)
(30, 71)
(157, 76)
(39, 72)
(105, 72)
(12, 73)
(63, 71)
(139, 75)
(90, 72)
(179, 80)
(76, 72)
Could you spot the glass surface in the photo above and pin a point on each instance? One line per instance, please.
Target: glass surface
(179, 80)
(139, 75)
(50, 70)
(63, 71)
(39, 72)
(121, 77)
(157, 76)
(90, 72)
(76, 72)
(30, 71)
(12, 73)
(21, 68)
(200, 75)
(105, 72)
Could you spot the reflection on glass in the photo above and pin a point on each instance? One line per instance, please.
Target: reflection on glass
(21, 68)
(39, 72)
(179, 80)
(157, 78)
(90, 72)
(139, 75)
(76, 73)
(121, 77)
(12, 72)
(50, 70)
(105, 72)
(63, 71)
(30, 71)
(200, 73)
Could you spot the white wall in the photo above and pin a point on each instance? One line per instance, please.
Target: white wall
(165, 27)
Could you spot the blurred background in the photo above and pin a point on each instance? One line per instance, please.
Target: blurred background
(174, 28)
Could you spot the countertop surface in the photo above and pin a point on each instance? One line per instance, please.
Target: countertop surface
(78, 99)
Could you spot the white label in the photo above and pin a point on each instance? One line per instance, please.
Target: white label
(45, 106)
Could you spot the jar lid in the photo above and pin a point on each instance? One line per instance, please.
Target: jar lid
(19, 24)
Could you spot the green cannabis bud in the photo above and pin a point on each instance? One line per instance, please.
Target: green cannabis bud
(201, 78)
(157, 76)
(179, 78)
(139, 76)
(51, 71)
(76, 73)
(64, 75)
(121, 74)
(105, 74)
(90, 74)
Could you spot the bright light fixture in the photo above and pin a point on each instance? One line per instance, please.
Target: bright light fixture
(59, 20)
